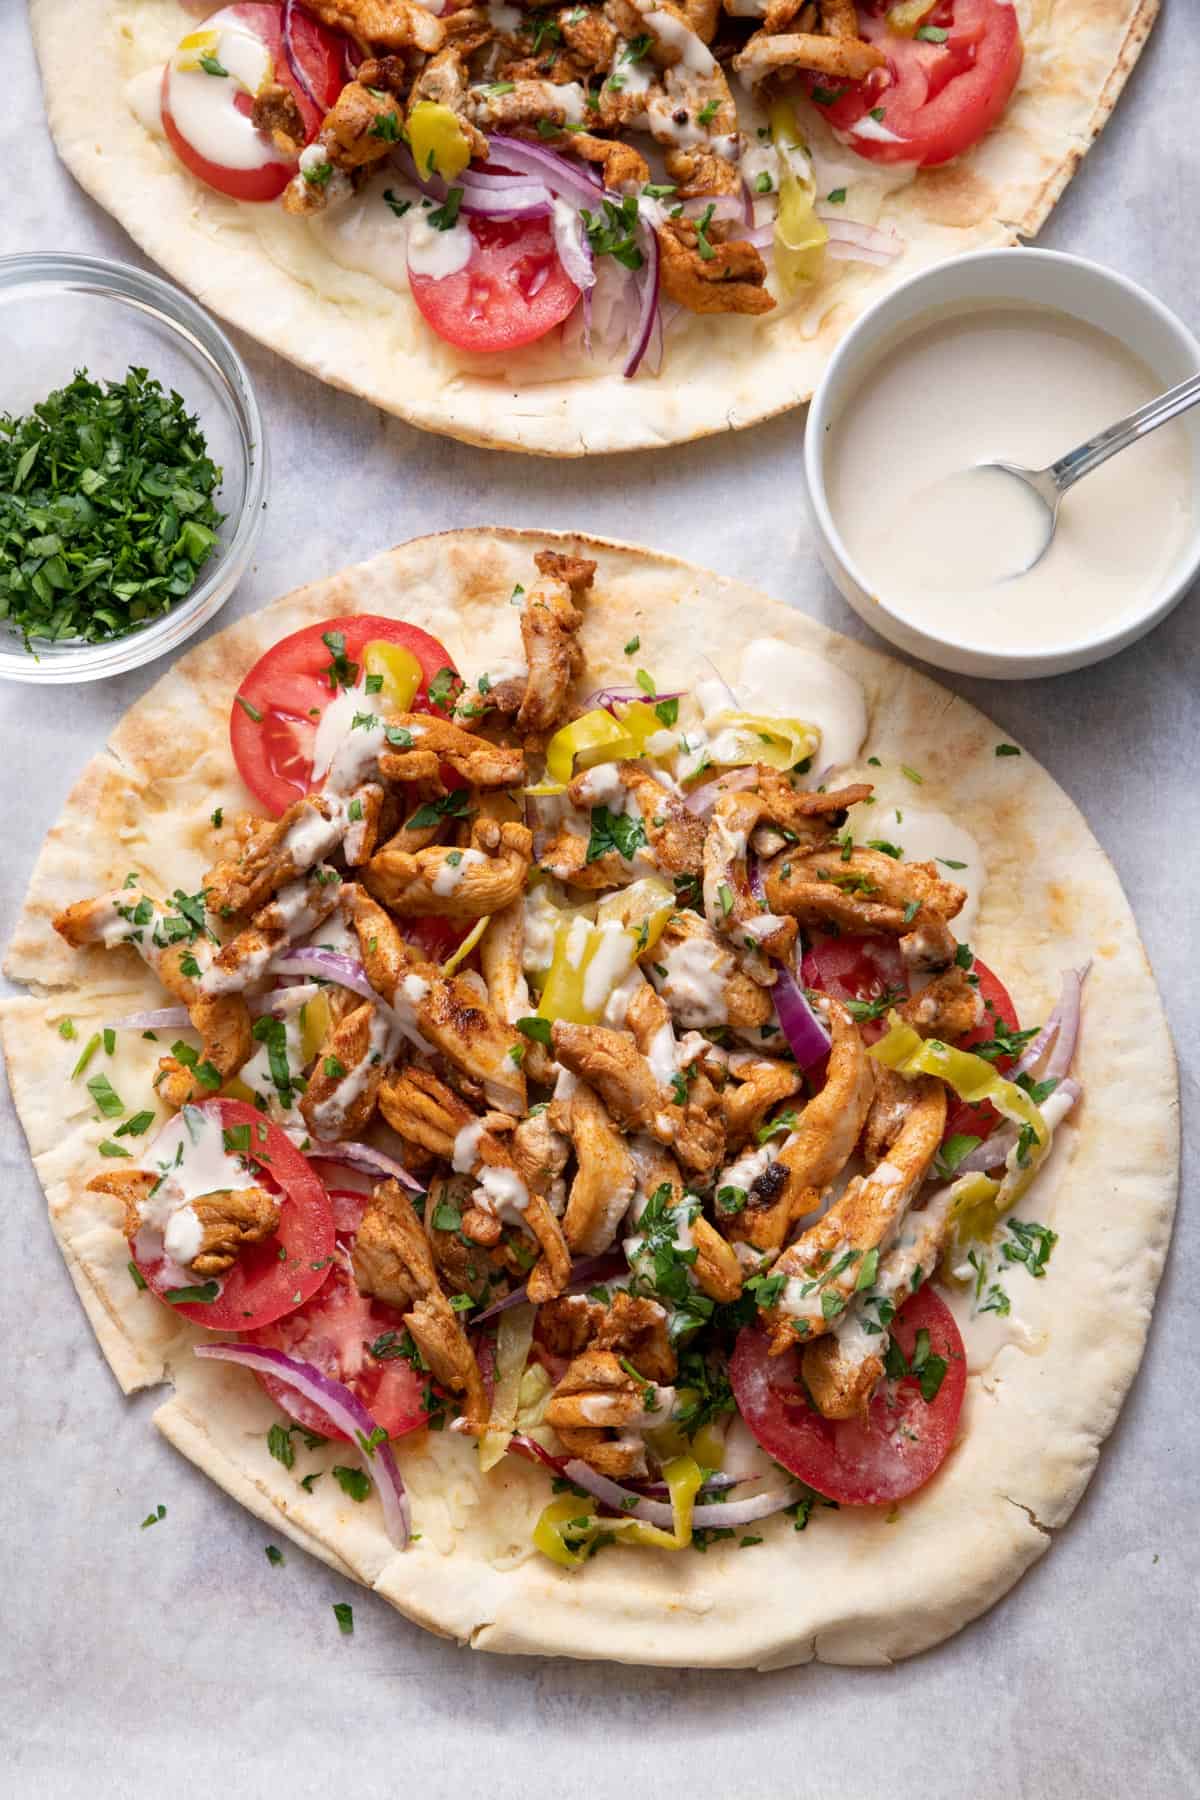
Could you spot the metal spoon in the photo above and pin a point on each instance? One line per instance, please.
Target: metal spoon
(1049, 485)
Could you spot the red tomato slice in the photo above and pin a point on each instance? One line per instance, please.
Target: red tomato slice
(859, 1462)
(980, 1121)
(513, 290)
(856, 968)
(436, 938)
(272, 1278)
(936, 98)
(318, 52)
(335, 1332)
(275, 713)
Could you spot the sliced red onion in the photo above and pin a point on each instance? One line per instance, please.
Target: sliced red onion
(761, 236)
(569, 180)
(808, 1038)
(1061, 1029)
(432, 186)
(532, 1451)
(588, 1271)
(290, 9)
(655, 1512)
(364, 1156)
(716, 1484)
(163, 1018)
(647, 278)
(702, 799)
(610, 698)
(996, 1147)
(527, 200)
(724, 206)
(346, 1411)
(328, 965)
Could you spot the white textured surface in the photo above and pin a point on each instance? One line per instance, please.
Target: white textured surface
(178, 1654)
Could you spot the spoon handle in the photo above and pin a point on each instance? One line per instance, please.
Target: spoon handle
(1086, 457)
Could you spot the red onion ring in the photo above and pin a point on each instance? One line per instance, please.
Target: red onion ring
(574, 251)
(328, 965)
(1061, 1029)
(654, 1512)
(808, 1038)
(701, 800)
(648, 279)
(347, 1412)
(293, 61)
(995, 1148)
(588, 1272)
(568, 180)
(365, 1156)
(609, 698)
(163, 1018)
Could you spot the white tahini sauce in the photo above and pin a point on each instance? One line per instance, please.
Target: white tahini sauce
(203, 104)
(1019, 384)
(190, 1158)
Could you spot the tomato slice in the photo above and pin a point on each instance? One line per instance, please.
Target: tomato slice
(274, 1277)
(934, 98)
(319, 55)
(856, 968)
(513, 290)
(335, 1332)
(867, 1461)
(273, 722)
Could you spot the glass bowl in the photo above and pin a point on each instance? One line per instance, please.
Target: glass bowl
(62, 313)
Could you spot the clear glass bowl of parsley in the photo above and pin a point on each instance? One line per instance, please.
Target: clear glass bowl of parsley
(133, 471)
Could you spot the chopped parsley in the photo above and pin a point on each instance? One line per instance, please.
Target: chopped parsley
(450, 806)
(274, 1554)
(613, 232)
(445, 218)
(836, 196)
(534, 1027)
(702, 224)
(110, 1104)
(1007, 750)
(386, 126)
(1029, 1243)
(352, 1481)
(614, 831)
(160, 1512)
(343, 1612)
(441, 688)
(107, 512)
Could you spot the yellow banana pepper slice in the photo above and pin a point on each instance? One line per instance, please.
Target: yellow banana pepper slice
(566, 1529)
(800, 237)
(576, 945)
(595, 737)
(468, 944)
(400, 670)
(737, 738)
(644, 906)
(437, 140)
(315, 1020)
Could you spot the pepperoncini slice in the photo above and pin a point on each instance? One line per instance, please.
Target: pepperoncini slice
(400, 670)
(595, 737)
(514, 1335)
(437, 140)
(800, 237)
(315, 1021)
(578, 985)
(908, 15)
(737, 738)
(643, 908)
(468, 944)
(566, 1529)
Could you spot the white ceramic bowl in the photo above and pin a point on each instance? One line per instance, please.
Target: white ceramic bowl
(1082, 289)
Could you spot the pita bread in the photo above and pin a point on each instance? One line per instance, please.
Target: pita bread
(267, 274)
(860, 1585)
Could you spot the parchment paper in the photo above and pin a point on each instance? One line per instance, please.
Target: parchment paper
(177, 1656)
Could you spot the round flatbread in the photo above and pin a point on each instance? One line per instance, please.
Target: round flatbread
(269, 275)
(860, 1585)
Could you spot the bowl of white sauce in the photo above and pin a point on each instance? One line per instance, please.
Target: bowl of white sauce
(1014, 356)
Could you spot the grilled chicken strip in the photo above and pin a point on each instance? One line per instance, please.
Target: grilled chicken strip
(384, 24)
(392, 1259)
(635, 1328)
(170, 942)
(231, 1218)
(550, 622)
(843, 1368)
(455, 883)
(783, 1181)
(480, 763)
(697, 976)
(758, 1084)
(947, 1009)
(289, 847)
(292, 913)
(501, 952)
(822, 1266)
(674, 837)
(445, 1012)
(611, 1062)
(344, 1085)
(604, 1179)
(729, 905)
(765, 54)
(596, 1397)
(865, 892)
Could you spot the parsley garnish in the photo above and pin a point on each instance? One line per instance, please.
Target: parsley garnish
(614, 831)
(441, 688)
(106, 508)
(399, 207)
(387, 127)
(343, 1612)
(211, 66)
(1007, 750)
(614, 232)
(451, 805)
(1029, 1243)
(534, 1027)
(445, 218)
(352, 1481)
